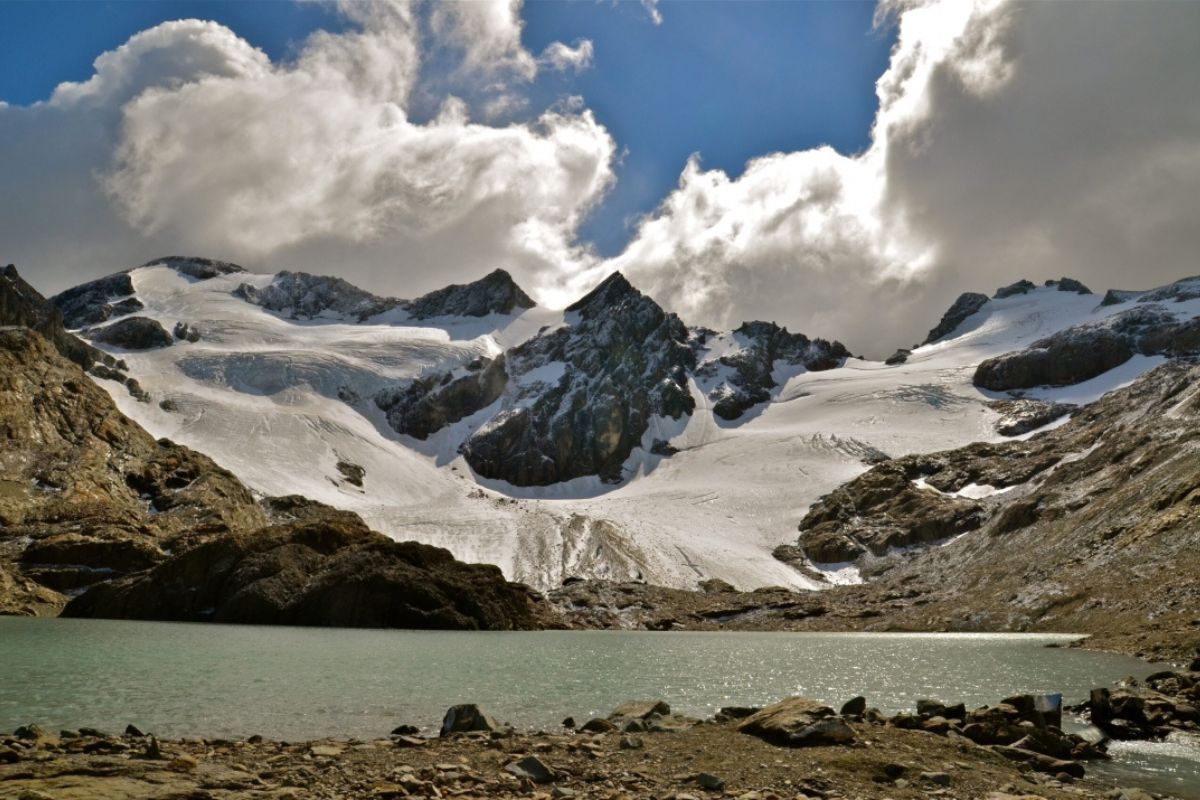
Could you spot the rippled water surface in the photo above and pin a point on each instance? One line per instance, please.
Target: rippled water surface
(294, 683)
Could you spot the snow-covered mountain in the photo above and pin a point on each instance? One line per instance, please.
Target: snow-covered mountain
(607, 440)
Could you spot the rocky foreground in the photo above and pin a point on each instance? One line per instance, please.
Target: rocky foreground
(793, 749)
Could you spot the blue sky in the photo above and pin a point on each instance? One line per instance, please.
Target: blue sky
(727, 80)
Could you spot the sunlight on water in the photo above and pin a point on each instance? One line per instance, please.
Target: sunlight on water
(295, 683)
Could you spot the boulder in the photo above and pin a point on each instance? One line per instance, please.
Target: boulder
(533, 769)
(132, 333)
(797, 722)
(854, 707)
(467, 718)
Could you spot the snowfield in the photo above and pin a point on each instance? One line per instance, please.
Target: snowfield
(280, 402)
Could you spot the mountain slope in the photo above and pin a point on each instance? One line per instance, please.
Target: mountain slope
(92, 506)
(606, 441)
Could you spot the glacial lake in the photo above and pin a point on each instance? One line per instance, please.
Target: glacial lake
(302, 683)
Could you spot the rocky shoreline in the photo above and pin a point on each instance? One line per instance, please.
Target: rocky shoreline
(796, 748)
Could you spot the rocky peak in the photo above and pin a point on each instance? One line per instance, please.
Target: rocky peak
(1069, 285)
(574, 401)
(194, 267)
(302, 295)
(1022, 286)
(495, 293)
(967, 304)
(612, 292)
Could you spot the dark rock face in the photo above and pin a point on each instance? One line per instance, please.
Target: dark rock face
(623, 360)
(86, 494)
(21, 304)
(326, 569)
(92, 303)
(199, 268)
(301, 295)
(1069, 285)
(1020, 287)
(496, 293)
(898, 357)
(426, 405)
(881, 510)
(967, 304)
(132, 333)
(1085, 351)
(304, 296)
(752, 381)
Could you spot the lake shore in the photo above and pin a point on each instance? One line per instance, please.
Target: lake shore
(710, 759)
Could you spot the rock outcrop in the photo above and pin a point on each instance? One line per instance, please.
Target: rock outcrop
(884, 510)
(581, 396)
(495, 293)
(98, 301)
(22, 305)
(425, 405)
(132, 333)
(967, 304)
(201, 269)
(749, 370)
(1084, 351)
(319, 567)
(300, 295)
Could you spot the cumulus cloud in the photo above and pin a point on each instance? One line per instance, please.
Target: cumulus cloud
(188, 139)
(1011, 140)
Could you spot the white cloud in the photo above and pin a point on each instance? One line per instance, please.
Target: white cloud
(187, 139)
(563, 57)
(653, 11)
(1012, 140)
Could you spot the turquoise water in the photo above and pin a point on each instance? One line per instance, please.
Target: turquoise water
(296, 683)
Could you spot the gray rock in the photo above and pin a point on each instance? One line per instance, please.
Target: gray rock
(132, 333)
(467, 718)
(854, 707)
(798, 722)
(97, 301)
(532, 769)
(1020, 287)
(496, 293)
(967, 304)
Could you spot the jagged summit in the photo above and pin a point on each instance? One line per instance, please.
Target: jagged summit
(609, 292)
(302, 295)
(495, 293)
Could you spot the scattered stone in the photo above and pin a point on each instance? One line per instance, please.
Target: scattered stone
(709, 782)
(132, 730)
(405, 730)
(598, 725)
(532, 768)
